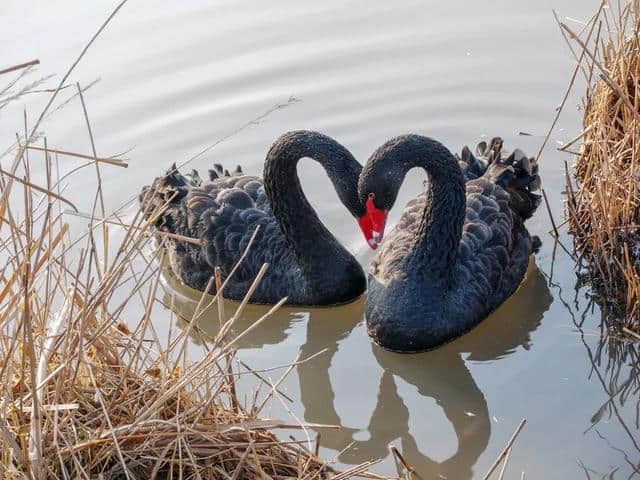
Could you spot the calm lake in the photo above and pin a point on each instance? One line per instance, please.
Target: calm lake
(209, 82)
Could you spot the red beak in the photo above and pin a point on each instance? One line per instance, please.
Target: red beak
(378, 219)
(367, 230)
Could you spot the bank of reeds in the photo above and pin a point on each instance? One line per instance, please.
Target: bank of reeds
(604, 207)
(89, 387)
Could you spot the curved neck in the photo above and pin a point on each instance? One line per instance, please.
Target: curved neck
(313, 244)
(435, 246)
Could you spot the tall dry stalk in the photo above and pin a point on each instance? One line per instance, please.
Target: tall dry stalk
(604, 207)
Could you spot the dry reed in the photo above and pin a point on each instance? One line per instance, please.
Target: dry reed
(87, 388)
(604, 207)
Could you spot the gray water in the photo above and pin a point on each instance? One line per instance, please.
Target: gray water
(175, 78)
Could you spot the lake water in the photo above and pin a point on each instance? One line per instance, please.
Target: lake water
(176, 78)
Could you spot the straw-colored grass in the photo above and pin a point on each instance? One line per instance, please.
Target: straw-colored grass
(604, 207)
(87, 387)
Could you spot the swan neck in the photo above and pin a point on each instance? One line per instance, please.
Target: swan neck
(312, 242)
(436, 244)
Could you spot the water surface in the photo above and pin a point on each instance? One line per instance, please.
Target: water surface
(177, 78)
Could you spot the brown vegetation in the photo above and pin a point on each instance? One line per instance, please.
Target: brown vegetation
(604, 208)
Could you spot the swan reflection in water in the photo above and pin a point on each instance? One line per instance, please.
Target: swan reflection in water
(441, 374)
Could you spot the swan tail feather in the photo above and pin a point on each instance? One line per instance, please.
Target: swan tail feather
(516, 173)
(472, 166)
(165, 198)
(536, 243)
(524, 184)
(169, 188)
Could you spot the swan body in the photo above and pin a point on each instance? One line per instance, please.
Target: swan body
(460, 248)
(307, 264)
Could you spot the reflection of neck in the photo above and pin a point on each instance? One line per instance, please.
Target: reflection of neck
(457, 393)
(316, 392)
(448, 381)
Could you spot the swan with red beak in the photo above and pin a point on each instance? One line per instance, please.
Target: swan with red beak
(460, 248)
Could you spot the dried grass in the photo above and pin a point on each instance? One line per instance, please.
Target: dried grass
(87, 388)
(604, 207)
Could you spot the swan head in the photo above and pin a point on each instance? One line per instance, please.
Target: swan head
(381, 179)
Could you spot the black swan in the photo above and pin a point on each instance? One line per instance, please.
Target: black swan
(307, 264)
(459, 250)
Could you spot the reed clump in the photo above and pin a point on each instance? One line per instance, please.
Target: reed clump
(89, 387)
(604, 207)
